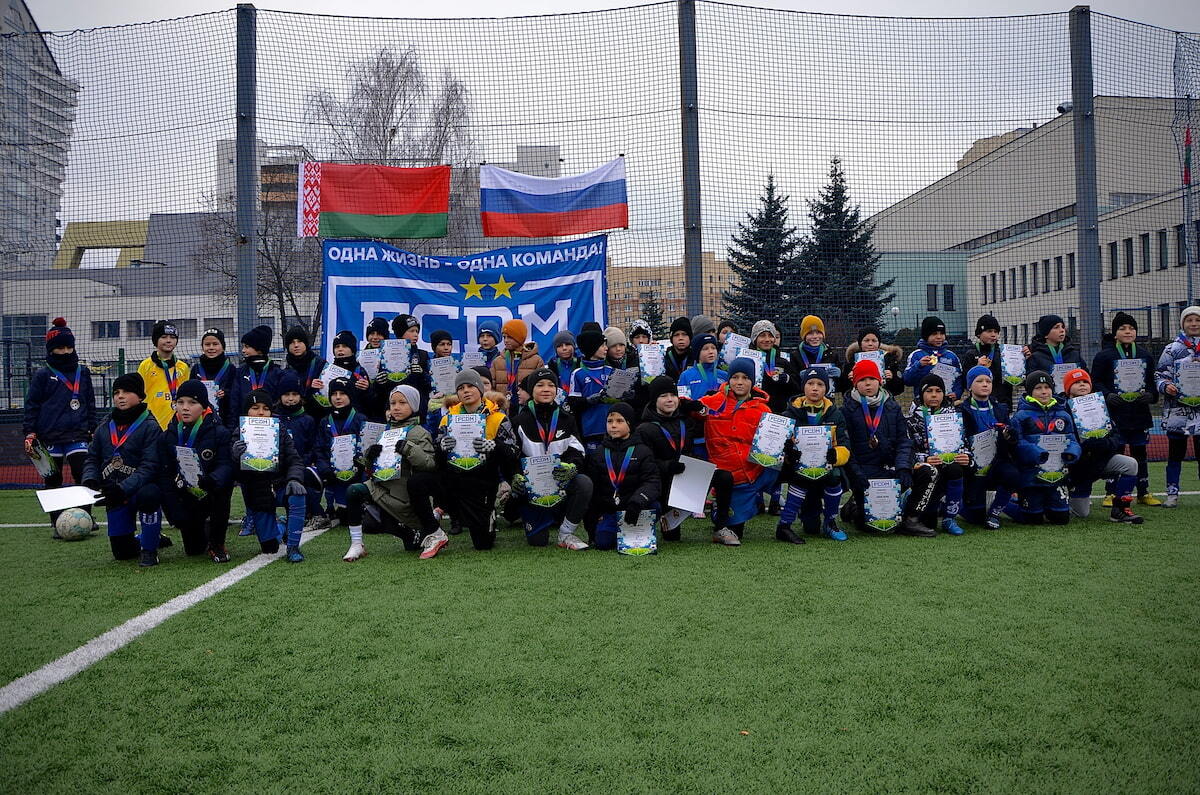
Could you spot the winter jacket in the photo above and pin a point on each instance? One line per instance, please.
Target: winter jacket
(979, 417)
(340, 422)
(1042, 358)
(48, 411)
(303, 428)
(893, 359)
(641, 486)
(160, 395)
(139, 452)
(496, 427)
(669, 437)
(1029, 423)
(211, 443)
(893, 449)
(825, 414)
(780, 379)
(702, 379)
(509, 370)
(915, 371)
(1001, 389)
(1130, 416)
(588, 397)
(729, 429)
(918, 422)
(1177, 418)
(308, 369)
(221, 370)
(535, 420)
(259, 488)
(675, 362)
(563, 369)
(246, 380)
(418, 456)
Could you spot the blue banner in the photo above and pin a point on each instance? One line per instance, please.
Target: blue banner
(552, 287)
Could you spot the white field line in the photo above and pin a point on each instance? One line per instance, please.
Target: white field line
(17, 692)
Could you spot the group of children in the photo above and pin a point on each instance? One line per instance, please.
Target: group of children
(613, 446)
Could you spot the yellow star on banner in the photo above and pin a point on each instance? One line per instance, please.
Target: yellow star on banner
(473, 288)
(502, 287)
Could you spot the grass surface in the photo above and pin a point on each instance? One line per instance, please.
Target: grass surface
(1031, 658)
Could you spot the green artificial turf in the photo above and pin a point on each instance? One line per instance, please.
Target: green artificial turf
(1033, 658)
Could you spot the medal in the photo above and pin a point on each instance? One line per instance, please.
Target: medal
(75, 404)
(873, 443)
(615, 477)
(71, 385)
(617, 498)
(116, 461)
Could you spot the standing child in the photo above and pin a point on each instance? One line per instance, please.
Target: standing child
(60, 408)
(1100, 458)
(214, 369)
(257, 371)
(443, 347)
(639, 333)
(1041, 414)
(407, 327)
(201, 512)
(625, 479)
(343, 420)
(122, 464)
(264, 491)
(1051, 346)
(679, 356)
(981, 412)
(302, 426)
(810, 408)
(345, 355)
(705, 376)
(933, 355)
(813, 352)
(564, 362)
(517, 362)
(1179, 421)
(779, 376)
(489, 340)
(1129, 409)
(162, 372)
(985, 352)
(869, 341)
(589, 388)
(933, 478)
(304, 362)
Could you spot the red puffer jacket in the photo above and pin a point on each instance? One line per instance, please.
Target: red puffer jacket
(729, 430)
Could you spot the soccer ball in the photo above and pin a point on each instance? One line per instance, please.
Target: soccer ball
(74, 524)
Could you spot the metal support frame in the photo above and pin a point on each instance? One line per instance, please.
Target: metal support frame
(246, 211)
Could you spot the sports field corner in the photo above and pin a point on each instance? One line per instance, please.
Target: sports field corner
(1033, 658)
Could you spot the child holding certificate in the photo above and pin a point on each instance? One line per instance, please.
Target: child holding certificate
(1051, 351)
(779, 377)
(933, 356)
(877, 436)
(940, 457)
(1178, 380)
(407, 327)
(816, 455)
(889, 358)
(1099, 458)
(401, 484)
(550, 489)
(196, 473)
(265, 490)
(336, 453)
(302, 427)
(985, 425)
(987, 352)
(1045, 443)
(589, 387)
(624, 479)
(256, 372)
(813, 350)
(217, 372)
(304, 362)
(345, 356)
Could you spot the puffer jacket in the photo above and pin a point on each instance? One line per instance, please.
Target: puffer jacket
(729, 430)
(392, 495)
(1029, 423)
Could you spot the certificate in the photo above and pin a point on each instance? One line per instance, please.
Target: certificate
(653, 365)
(368, 359)
(685, 391)
(42, 461)
(983, 448)
(473, 357)
(948, 373)
(1012, 364)
(881, 504)
(690, 487)
(544, 490)
(812, 443)
(620, 383)
(638, 539)
(1059, 374)
(443, 371)
(769, 439)
(760, 363)
(944, 434)
(872, 356)
(395, 359)
(212, 387)
(342, 453)
(464, 430)
(1129, 377)
(1091, 416)
(261, 435)
(330, 373)
(1187, 381)
(387, 465)
(733, 344)
(189, 468)
(370, 432)
(1051, 470)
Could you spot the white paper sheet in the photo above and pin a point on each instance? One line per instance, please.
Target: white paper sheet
(189, 465)
(689, 488)
(443, 371)
(67, 497)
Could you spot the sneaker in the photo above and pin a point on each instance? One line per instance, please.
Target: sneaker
(433, 543)
(1171, 501)
(912, 526)
(247, 527)
(952, 527)
(573, 542)
(992, 522)
(218, 555)
(149, 558)
(726, 537)
(1107, 501)
(294, 555)
(1122, 513)
(455, 526)
(832, 531)
(356, 552)
(1149, 499)
(164, 541)
(785, 533)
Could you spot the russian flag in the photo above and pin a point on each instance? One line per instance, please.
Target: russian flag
(521, 205)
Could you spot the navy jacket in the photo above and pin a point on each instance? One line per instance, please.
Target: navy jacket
(48, 411)
(243, 386)
(893, 451)
(212, 448)
(225, 378)
(1041, 358)
(1029, 422)
(139, 454)
(1127, 415)
(641, 477)
(302, 427)
(351, 424)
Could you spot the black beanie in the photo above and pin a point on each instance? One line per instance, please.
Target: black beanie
(662, 385)
(259, 338)
(726, 324)
(1123, 319)
(986, 323)
(591, 325)
(130, 382)
(439, 336)
(1047, 322)
(193, 388)
(1038, 377)
(932, 325)
(932, 380)
(347, 338)
(59, 336)
(258, 396)
(377, 325)
(862, 332)
(297, 333)
(625, 410)
(589, 341)
(340, 385)
(402, 323)
(681, 324)
(163, 328)
(540, 374)
(214, 332)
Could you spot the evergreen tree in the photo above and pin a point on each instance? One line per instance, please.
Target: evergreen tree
(763, 260)
(652, 314)
(838, 262)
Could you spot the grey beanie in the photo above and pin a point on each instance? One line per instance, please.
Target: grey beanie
(411, 396)
(614, 336)
(468, 376)
(760, 327)
(564, 337)
(703, 324)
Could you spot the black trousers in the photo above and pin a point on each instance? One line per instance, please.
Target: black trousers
(202, 523)
(929, 485)
(75, 462)
(471, 498)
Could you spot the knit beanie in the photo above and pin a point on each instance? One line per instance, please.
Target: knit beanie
(625, 410)
(193, 388)
(1074, 376)
(468, 376)
(259, 338)
(681, 324)
(932, 380)
(662, 385)
(289, 381)
(819, 373)
(517, 329)
(540, 374)
(1123, 319)
(759, 327)
(163, 328)
(978, 371)
(863, 332)
(727, 324)
(742, 365)
(614, 336)
(589, 342)
(640, 326)
(441, 335)
(1047, 322)
(488, 326)
(986, 323)
(564, 337)
(699, 341)
(1037, 377)
(377, 326)
(260, 396)
(130, 382)
(591, 325)
(59, 336)
(932, 325)
(703, 324)
(347, 338)
(297, 333)
(402, 323)
(865, 368)
(411, 396)
(809, 324)
(336, 385)
(213, 332)
(1191, 310)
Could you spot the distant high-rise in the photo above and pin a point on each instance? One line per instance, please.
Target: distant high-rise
(37, 109)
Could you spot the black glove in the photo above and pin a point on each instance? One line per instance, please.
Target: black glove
(400, 446)
(238, 449)
(114, 495)
(632, 515)
(92, 484)
(371, 453)
(382, 379)
(831, 456)
(905, 478)
(1114, 401)
(206, 482)
(415, 369)
(1009, 435)
(675, 467)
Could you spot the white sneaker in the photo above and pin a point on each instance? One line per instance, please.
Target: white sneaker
(433, 543)
(727, 537)
(356, 552)
(1171, 501)
(572, 542)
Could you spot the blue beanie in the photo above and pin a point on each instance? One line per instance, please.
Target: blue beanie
(700, 340)
(742, 365)
(289, 381)
(491, 327)
(820, 373)
(975, 372)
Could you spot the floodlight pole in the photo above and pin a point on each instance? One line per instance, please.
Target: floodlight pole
(689, 128)
(246, 211)
(1087, 219)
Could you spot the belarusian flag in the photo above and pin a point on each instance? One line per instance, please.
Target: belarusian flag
(342, 200)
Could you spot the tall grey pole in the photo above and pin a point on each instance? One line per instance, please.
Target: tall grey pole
(246, 213)
(1087, 230)
(689, 130)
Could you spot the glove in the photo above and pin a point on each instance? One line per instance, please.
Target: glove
(675, 467)
(632, 515)
(206, 482)
(599, 397)
(371, 453)
(484, 446)
(779, 377)
(401, 446)
(831, 456)
(238, 449)
(520, 485)
(1009, 435)
(294, 488)
(415, 369)
(382, 379)
(114, 495)
(905, 478)
(1145, 397)
(564, 472)
(1114, 401)
(447, 443)
(92, 484)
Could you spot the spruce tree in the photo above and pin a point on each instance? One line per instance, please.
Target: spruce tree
(652, 314)
(838, 263)
(763, 261)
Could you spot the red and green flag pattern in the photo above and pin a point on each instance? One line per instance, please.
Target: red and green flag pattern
(369, 201)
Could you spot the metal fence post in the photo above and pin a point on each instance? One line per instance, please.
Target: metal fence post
(1087, 229)
(246, 213)
(689, 130)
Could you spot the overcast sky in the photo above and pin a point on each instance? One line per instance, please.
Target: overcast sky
(62, 15)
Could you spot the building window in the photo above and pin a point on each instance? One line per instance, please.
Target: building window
(1165, 320)
(1033, 278)
(1012, 282)
(1025, 280)
(186, 327)
(1045, 275)
(1024, 331)
(995, 295)
(1164, 250)
(1113, 265)
(22, 328)
(931, 298)
(1129, 256)
(225, 324)
(983, 288)
(948, 297)
(1071, 271)
(1004, 334)
(1180, 246)
(140, 329)
(106, 329)
(1145, 253)
(1058, 273)
(1003, 288)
